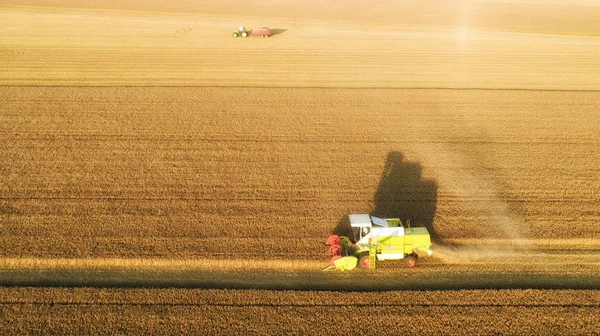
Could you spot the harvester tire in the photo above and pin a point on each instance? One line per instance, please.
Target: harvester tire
(410, 261)
(244, 34)
(235, 34)
(363, 260)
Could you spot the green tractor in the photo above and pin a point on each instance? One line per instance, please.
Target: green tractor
(241, 31)
(379, 239)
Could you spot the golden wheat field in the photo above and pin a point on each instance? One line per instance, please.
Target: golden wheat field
(158, 175)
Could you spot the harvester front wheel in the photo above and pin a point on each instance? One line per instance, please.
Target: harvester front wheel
(410, 261)
(363, 260)
(235, 34)
(244, 34)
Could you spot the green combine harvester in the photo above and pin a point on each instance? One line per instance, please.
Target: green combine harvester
(378, 239)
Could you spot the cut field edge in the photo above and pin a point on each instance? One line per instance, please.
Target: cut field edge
(302, 87)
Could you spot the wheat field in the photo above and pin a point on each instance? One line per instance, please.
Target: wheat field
(151, 159)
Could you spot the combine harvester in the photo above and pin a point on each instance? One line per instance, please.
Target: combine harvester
(377, 239)
(243, 32)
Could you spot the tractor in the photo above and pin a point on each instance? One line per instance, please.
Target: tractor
(378, 239)
(243, 32)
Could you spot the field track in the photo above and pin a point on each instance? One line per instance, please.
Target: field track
(158, 176)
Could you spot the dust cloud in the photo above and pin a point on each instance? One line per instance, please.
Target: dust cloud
(475, 253)
(458, 174)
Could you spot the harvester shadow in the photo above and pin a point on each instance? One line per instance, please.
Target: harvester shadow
(277, 31)
(402, 193)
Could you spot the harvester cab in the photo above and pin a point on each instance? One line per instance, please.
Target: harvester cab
(377, 239)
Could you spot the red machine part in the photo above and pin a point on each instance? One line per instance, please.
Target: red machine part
(335, 250)
(333, 240)
(265, 32)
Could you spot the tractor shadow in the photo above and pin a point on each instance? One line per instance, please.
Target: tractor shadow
(277, 31)
(402, 193)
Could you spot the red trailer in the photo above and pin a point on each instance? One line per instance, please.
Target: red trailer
(264, 32)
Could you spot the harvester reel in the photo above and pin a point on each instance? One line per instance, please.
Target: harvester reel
(334, 240)
(335, 250)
